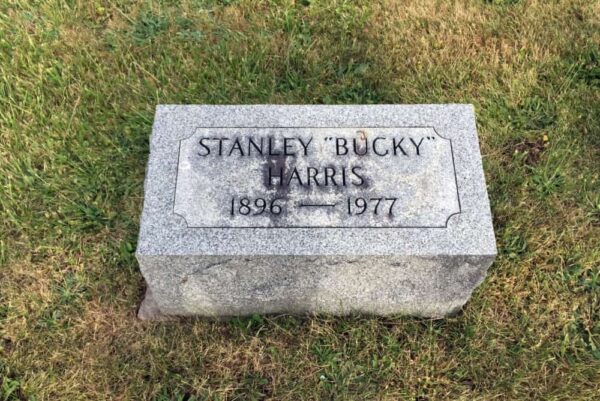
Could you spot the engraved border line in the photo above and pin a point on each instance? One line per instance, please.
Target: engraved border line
(305, 227)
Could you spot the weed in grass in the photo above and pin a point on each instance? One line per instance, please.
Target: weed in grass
(149, 25)
(547, 182)
(10, 389)
(588, 67)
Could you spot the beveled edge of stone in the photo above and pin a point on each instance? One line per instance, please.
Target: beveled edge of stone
(164, 233)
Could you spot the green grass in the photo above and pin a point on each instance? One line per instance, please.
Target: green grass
(79, 82)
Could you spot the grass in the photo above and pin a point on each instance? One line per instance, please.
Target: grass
(79, 82)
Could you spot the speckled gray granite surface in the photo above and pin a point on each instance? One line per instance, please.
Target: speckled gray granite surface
(335, 209)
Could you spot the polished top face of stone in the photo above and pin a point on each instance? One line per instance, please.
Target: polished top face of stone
(315, 180)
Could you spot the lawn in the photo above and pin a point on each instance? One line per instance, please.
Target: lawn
(79, 81)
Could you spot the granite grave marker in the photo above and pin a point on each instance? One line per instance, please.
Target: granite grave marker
(294, 209)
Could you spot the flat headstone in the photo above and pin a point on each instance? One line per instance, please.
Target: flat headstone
(295, 209)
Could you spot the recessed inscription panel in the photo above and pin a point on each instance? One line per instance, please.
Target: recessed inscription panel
(316, 177)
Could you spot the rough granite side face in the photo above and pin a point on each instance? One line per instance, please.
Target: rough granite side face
(313, 209)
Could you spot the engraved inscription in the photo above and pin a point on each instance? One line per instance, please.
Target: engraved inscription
(316, 177)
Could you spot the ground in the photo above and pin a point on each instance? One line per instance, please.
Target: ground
(79, 81)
